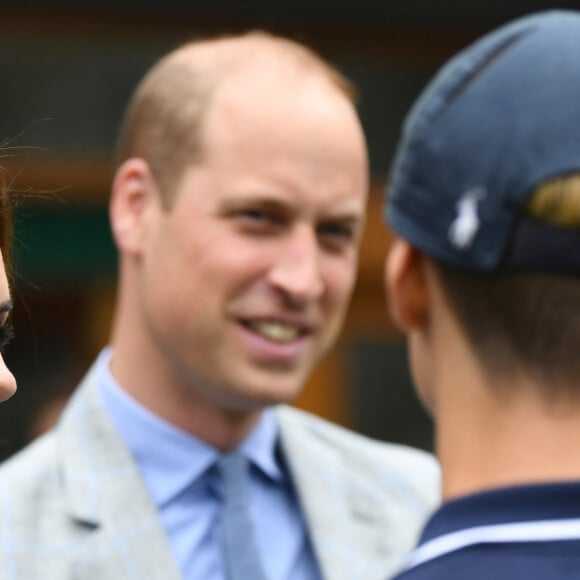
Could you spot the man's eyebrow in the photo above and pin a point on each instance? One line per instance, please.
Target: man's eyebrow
(262, 200)
(347, 217)
(5, 306)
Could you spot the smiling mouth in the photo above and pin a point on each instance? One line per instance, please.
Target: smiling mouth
(276, 331)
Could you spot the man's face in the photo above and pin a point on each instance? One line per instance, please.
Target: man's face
(246, 278)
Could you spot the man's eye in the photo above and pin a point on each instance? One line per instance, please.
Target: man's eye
(336, 231)
(261, 218)
(256, 215)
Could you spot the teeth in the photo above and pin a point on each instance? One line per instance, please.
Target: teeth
(275, 331)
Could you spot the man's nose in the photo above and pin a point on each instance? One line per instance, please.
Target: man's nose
(296, 271)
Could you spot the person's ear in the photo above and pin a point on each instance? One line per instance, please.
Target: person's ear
(406, 286)
(133, 191)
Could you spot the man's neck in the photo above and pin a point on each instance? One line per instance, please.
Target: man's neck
(179, 403)
(485, 440)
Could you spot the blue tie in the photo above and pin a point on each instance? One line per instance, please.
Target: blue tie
(242, 560)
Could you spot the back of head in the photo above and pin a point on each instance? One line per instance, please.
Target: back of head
(486, 183)
(164, 121)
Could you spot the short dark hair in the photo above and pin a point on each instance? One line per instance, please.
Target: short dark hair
(519, 322)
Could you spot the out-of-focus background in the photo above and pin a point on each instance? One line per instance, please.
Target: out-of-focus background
(67, 68)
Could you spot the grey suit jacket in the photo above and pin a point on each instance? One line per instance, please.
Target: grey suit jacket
(73, 506)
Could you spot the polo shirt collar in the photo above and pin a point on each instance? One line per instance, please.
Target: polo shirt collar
(506, 505)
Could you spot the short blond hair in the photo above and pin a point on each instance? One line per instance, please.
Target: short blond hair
(557, 202)
(164, 119)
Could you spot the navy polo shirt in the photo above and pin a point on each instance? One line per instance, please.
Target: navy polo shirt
(528, 532)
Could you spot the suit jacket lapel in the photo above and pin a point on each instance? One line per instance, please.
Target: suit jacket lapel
(105, 494)
(353, 524)
(316, 474)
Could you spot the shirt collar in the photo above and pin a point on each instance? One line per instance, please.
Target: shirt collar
(169, 458)
(260, 446)
(506, 505)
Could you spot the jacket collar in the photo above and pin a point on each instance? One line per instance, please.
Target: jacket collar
(104, 491)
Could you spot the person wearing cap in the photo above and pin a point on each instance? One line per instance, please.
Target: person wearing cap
(237, 209)
(484, 279)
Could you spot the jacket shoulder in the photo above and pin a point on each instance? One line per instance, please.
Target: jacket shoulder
(37, 461)
(33, 497)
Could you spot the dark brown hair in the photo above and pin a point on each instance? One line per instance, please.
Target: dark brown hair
(519, 323)
(5, 221)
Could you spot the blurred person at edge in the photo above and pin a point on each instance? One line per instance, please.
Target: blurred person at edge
(484, 278)
(7, 381)
(237, 209)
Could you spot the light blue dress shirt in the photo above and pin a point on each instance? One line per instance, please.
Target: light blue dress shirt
(176, 470)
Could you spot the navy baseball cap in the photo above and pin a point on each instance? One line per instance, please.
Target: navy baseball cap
(499, 120)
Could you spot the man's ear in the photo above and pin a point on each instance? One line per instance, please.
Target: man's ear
(133, 191)
(406, 286)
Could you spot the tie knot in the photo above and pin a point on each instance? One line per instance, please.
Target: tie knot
(232, 465)
(233, 471)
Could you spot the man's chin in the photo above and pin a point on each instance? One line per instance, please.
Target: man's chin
(257, 396)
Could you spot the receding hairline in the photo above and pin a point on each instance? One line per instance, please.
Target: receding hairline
(227, 55)
(164, 122)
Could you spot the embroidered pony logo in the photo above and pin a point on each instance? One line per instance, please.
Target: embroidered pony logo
(466, 224)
